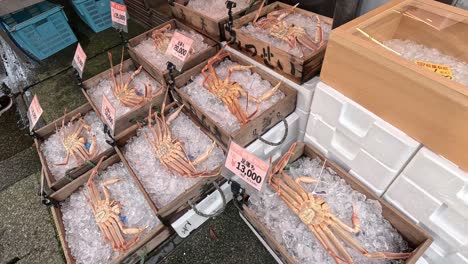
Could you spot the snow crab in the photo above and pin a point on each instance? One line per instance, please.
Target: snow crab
(126, 95)
(229, 92)
(316, 214)
(170, 151)
(107, 213)
(74, 142)
(292, 34)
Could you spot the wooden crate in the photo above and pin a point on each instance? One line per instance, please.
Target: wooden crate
(163, 75)
(48, 130)
(176, 208)
(129, 118)
(416, 237)
(297, 69)
(423, 104)
(204, 24)
(258, 125)
(146, 244)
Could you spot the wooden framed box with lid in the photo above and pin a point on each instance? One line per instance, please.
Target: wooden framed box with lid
(407, 62)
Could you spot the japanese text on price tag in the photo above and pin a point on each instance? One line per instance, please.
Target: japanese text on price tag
(108, 112)
(246, 165)
(119, 16)
(179, 46)
(79, 60)
(440, 69)
(34, 112)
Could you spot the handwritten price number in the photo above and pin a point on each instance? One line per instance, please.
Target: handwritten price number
(108, 115)
(248, 170)
(179, 48)
(119, 16)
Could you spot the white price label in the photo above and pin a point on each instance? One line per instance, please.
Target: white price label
(246, 165)
(108, 112)
(119, 16)
(79, 60)
(179, 46)
(34, 112)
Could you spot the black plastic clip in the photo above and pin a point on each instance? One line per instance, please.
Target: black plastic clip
(44, 193)
(123, 38)
(230, 24)
(107, 131)
(171, 2)
(78, 78)
(239, 196)
(171, 68)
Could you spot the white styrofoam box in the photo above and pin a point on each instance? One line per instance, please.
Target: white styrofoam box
(432, 190)
(304, 92)
(377, 137)
(350, 154)
(303, 119)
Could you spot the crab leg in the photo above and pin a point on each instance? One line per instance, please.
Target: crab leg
(67, 158)
(335, 242)
(355, 220)
(105, 190)
(127, 230)
(205, 155)
(326, 243)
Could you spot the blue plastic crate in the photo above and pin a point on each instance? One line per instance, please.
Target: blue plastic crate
(95, 13)
(41, 29)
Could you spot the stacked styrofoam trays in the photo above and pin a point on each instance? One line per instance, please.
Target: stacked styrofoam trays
(304, 92)
(434, 193)
(275, 134)
(371, 149)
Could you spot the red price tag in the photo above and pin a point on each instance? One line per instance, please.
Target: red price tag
(34, 112)
(79, 60)
(246, 165)
(179, 46)
(108, 112)
(119, 13)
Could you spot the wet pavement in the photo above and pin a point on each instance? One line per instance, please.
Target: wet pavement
(26, 227)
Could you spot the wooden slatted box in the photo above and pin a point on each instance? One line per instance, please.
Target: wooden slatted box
(129, 118)
(177, 207)
(163, 75)
(416, 237)
(257, 126)
(48, 130)
(146, 244)
(428, 107)
(297, 69)
(214, 28)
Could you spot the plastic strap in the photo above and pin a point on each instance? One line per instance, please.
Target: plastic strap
(286, 131)
(218, 212)
(44, 192)
(142, 253)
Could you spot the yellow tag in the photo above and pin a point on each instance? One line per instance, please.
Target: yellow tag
(443, 70)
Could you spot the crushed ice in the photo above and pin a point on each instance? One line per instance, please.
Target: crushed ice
(158, 182)
(217, 110)
(148, 50)
(55, 153)
(414, 51)
(216, 9)
(376, 234)
(105, 86)
(82, 234)
(299, 20)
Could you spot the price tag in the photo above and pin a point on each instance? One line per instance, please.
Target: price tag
(108, 112)
(246, 165)
(119, 16)
(179, 46)
(440, 69)
(34, 112)
(79, 60)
